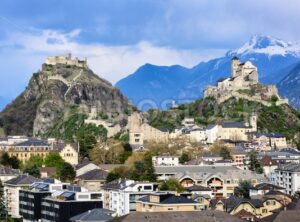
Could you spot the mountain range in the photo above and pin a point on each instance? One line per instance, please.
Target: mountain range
(157, 86)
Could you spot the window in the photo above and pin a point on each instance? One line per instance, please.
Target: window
(264, 211)
(147, 187)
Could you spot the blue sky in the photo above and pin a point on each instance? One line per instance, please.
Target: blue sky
(118, 36)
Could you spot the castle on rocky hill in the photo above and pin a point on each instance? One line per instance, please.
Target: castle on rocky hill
(244, 84)
(66, 60)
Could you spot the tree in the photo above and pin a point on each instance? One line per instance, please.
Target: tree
(53, 159)
(34, 160)
(33, 170)
(66, 172)
(88, 135)
(113, 175)
(149, 173)
(13, 161)
(254, 164)
(125, 154)
(184, 158)
(172, 185)
(225, 153)
(243, 189)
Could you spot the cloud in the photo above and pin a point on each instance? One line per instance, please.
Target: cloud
(111, 62)
(29, 50)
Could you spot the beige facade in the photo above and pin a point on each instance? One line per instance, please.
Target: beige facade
(70, 154)
(267, 209)
(140, 131)
(91, 185)
(155, 205)
(25, 152)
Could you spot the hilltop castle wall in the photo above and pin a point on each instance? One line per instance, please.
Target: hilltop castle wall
(67, 60)
(243, 84)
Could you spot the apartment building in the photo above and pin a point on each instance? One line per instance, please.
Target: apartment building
(121, 195)
(165, 160)
(164, 202)
(221, 179)
(288, 176)
(11, 192)
(53, 201)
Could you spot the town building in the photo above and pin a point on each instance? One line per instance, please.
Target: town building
(266, 141)
(263, 188)
(239, 158)
(121, 195)
(52, 200)
(61, 205)
(212, 133)
(38, 147)
(11, 192)
(211, 157)
(283, 156)
(165, 160)
(30, 200)
(221, 179)
(288, 176)
(30, 147)
(258, 208)
(140, 132)
(269, 165)
(164, 202)
(47, 172)
(85, 167)
(7, 173)
(92, 180)
(200, 190)
(68, 151)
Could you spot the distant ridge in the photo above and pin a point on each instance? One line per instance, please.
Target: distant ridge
(161, 84)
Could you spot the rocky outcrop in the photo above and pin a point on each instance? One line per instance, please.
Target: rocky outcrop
(56, 92)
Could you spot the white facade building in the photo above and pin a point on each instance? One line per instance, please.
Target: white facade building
(288, 176)
(212, 133)
(165, 160)
(11, 193)
(121, 195)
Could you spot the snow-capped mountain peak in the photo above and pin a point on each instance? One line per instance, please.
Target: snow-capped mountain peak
(267, 45)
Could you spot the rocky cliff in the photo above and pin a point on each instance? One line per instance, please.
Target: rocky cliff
(55, 93)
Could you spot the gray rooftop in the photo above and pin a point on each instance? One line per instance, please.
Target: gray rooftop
(97, 214)
(23, 179)
(189, 216)
(234, 125)
(192, 169)
(291, 167)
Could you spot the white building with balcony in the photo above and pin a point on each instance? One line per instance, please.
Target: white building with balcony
(165, 160)
(121, 195)
(288, 176)
(11, 193)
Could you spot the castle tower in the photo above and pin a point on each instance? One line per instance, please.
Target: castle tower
(234, 65)
(253, 121)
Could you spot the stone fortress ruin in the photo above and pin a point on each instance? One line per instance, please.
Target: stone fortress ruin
(244, 84)
(66, 60)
